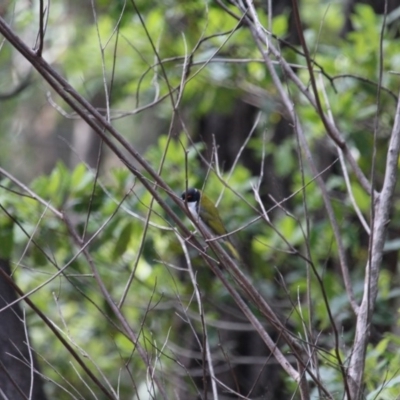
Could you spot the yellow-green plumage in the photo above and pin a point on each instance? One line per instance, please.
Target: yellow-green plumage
(208, 212)
(203, 209)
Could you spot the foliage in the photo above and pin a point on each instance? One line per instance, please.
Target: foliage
(186, 61)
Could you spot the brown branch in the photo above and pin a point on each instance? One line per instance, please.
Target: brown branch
(39, 50)
(261, 40)
(128, 330)
(118, 144)
(58, 335)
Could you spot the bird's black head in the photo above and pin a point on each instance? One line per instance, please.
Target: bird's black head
(191, 195)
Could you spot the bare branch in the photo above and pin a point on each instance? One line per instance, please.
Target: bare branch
(382, 207)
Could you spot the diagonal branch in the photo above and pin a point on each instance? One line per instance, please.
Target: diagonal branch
(298, 129)
(127, 153)
(261, 38)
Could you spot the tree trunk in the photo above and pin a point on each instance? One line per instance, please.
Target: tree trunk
(19, 379)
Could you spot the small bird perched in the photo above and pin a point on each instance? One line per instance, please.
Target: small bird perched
(205, 212)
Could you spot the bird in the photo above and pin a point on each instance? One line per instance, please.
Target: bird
(206, 214)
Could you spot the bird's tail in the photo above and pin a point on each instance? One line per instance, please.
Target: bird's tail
(232, 250)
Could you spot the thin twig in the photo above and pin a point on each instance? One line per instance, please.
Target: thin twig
(207, 352)
(343, 165)
(57, 334)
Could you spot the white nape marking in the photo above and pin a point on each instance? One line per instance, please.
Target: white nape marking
(193, 209)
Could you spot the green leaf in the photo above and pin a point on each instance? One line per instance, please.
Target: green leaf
(123, 240)
(6, 236)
